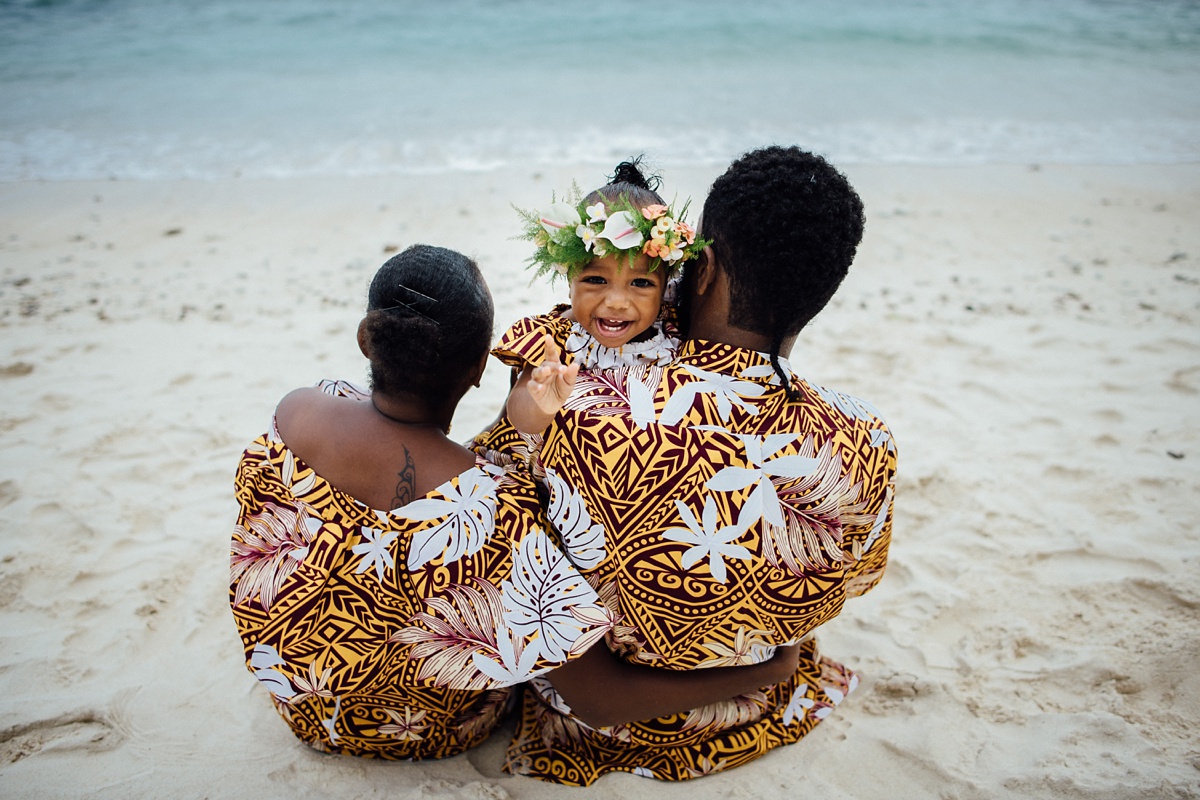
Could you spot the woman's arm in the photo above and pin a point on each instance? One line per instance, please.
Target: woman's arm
(541, 391)
(603, 690)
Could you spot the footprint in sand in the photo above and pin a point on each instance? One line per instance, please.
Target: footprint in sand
(79, 730)
(17, 370)
(9, 492)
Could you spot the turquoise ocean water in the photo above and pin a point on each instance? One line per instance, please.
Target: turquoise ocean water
(96, 89)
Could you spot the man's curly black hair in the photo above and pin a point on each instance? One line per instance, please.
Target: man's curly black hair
(785, 225)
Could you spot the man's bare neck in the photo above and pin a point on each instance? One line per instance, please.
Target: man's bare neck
(739, 337)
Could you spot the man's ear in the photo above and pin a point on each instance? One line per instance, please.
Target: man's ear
(480, 370)
(363, 346)
(705, 270)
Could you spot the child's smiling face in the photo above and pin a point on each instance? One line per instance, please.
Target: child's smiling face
(616, 301)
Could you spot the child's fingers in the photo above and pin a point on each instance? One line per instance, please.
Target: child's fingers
(550, 351)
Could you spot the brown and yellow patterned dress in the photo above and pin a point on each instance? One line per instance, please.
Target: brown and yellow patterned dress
(521, 347)
(398, 634)
(717, 520)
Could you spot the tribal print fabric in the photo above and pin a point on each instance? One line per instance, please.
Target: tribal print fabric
(521, 347)
(398, 634)
(717, 520)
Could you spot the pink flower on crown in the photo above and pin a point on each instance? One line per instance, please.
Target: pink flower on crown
(654, 211)
(685, 231)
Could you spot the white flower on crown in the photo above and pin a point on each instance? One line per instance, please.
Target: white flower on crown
(559, 215)
(587, 235)
(621, 231)
(597, 213)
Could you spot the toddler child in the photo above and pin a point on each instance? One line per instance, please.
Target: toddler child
(619, 248)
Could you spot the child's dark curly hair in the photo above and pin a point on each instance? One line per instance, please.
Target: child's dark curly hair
(785, 225)
(630, 180)
(428, 323)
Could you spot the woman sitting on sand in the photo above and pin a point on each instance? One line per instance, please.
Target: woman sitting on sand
(389, 587)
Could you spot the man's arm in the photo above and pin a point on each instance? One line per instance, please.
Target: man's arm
(867, 535)
(603, 690)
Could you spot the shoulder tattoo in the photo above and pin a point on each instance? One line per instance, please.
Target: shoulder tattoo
(406, 485)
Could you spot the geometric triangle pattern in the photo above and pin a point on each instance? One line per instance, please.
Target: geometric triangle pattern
(735, 521)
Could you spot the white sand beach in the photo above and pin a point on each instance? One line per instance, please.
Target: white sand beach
(1032, 334)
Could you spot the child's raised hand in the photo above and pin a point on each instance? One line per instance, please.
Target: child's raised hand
(551, 382)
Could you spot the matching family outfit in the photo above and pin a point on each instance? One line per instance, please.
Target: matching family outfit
(698, 518)
(398, 634)
(521, 346)
(717, 520)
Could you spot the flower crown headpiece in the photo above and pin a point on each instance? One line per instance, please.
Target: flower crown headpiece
(570, 234)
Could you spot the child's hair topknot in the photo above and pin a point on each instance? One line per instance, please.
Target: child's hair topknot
(630, 180)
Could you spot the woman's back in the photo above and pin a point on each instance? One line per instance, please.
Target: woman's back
(377, 460)
(387, 590)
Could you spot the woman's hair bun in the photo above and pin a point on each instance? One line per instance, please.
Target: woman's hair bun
(428, 323)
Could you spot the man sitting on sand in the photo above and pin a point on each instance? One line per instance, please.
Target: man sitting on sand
(721, 505)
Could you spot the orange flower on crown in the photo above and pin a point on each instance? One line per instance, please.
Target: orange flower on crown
(653, 211)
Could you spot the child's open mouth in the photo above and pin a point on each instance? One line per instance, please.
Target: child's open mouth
(613, 328)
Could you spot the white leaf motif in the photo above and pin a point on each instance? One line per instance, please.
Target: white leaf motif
(798, 706)
(707, 540)
(264, 660)
(641, 403)
(539, 597)
(469, 514)
(584, 541)
(726, 390)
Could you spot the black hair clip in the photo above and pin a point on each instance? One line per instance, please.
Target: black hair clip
(411, 306)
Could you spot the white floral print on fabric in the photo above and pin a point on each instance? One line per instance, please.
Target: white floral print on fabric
(312, 684)
(264, 662)
(486, 638)
(463, 624)
(763, 502)
(727, 392)
(375, 551)
(406, 727)
(468, 516)
(707, 539)
(582, 539)
(798, 706)
(268, 549)
(539, 596)
(613, 392)
(749, 647)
